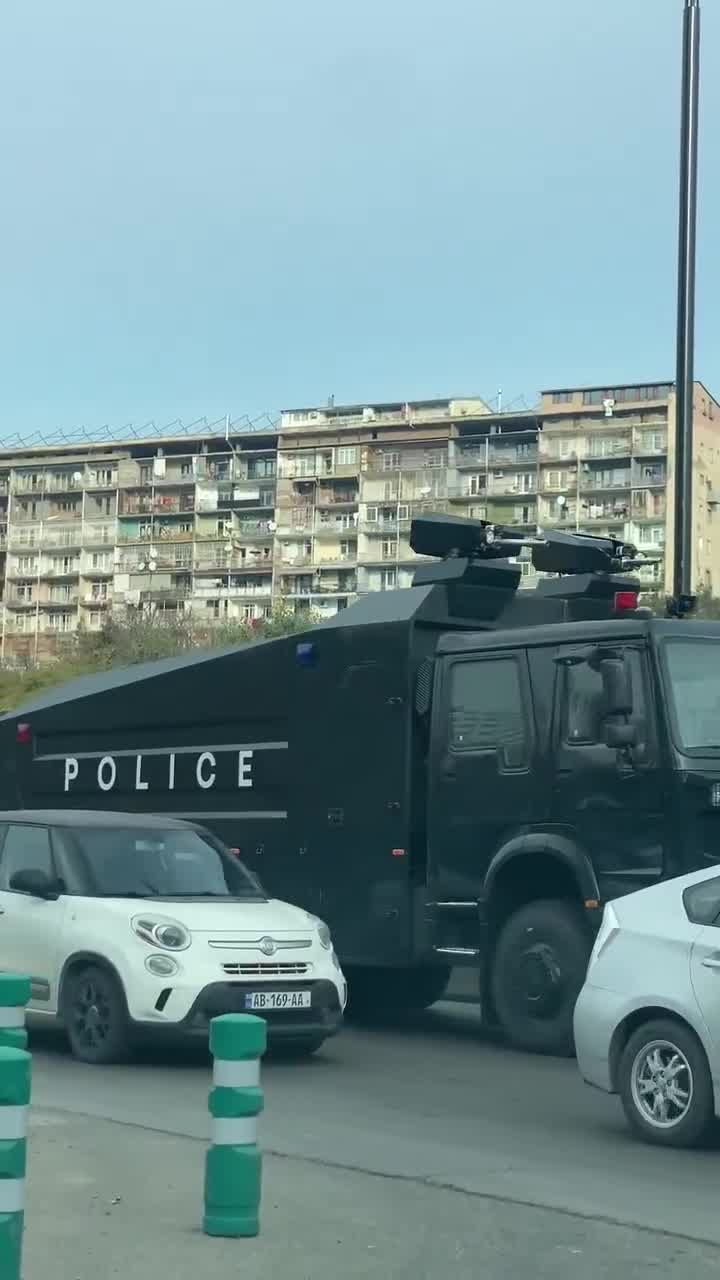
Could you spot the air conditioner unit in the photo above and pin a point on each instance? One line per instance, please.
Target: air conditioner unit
(608, 406)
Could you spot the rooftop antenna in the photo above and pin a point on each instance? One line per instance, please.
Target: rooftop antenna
(499, 400)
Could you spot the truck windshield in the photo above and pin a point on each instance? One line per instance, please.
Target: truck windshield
(133, 862)
(693, 673)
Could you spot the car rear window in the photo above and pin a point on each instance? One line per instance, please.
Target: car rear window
(702, 901)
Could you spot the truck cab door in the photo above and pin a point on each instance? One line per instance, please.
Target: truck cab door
(482, 787)
(614, 802)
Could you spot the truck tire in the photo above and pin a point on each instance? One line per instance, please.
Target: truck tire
(377, 995)
(538, 968)
(95, 1016)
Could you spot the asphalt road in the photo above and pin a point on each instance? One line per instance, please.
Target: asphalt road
(437, 1103)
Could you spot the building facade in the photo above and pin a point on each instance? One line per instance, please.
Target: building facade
(318, 510)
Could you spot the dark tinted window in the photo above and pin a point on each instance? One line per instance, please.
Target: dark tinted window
(694, 677)
(26, 848)
(584, 703)
(702, 902)
(486, 710)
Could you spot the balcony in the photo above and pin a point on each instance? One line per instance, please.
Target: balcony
(18, 516)
(387, 528)
(99, 534)
(139, 505)
(512, 457)
(23, 538)
(60, 571)
(650, 477)
(64, 511)
(237, 591)
(649, 447)
(247, 530)
(61, 537)
(60, 602)
(600, 482)
(461, 493)
(337, 498)
(304, 590)
(607, 513)
(13, 600)
(648, 511)
(101, 478)
(165, 595)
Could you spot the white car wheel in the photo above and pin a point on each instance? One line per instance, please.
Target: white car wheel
(665, 1085)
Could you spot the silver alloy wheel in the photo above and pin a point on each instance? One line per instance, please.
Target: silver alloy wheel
(661, 1083)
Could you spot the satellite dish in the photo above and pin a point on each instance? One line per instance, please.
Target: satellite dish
(272, 526)
(562, 501)
(152, 566)
(77, 476)
(142, 566)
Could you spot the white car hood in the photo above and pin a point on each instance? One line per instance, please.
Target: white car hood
(216, 917)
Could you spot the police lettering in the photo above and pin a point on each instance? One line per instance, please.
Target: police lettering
(103, 771)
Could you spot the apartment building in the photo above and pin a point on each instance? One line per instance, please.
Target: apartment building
(606, 465)
(318, 510)
(350, 479)
(171, 523)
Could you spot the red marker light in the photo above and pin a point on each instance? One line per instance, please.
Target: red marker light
(398, 853)
(625, 601)
(23, 733)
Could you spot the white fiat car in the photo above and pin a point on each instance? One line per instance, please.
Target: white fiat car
(128, 924)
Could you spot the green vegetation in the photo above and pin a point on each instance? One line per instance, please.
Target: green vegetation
(138, 638)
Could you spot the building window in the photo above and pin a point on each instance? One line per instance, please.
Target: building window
(562, 397)
(403, 511)
(391, 461)
(347, 456)
(371, 515)
(388, 579)
(476, 484)
(389, 549)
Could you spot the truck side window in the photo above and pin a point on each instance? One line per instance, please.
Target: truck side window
(486, 710)
(584, 702)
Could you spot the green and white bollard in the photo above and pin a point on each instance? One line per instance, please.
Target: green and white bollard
(14, 996)
(233, 1168)
(14, 1101)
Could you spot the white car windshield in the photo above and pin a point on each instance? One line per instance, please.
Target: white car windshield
(134, 862)
(693, 672)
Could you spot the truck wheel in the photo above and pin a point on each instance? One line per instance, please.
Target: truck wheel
(538, 968)
(665, 1085)
(95, 1016)
(374, 995)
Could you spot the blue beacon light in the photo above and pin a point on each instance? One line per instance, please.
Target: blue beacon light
(306, 654)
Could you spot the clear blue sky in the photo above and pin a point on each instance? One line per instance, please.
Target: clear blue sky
(236, 206)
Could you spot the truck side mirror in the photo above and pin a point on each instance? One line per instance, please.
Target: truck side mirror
(620, 736)
(617, 687)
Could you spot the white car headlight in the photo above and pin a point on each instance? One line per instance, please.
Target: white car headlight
(169, 935)
(323, 932)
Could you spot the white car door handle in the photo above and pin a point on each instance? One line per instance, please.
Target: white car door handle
(712, 962)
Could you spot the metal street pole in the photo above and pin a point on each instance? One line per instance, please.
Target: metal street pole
(685, 373)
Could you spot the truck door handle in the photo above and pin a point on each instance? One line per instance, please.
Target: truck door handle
(712, 962)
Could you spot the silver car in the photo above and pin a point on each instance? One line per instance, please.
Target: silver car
(647, 1021)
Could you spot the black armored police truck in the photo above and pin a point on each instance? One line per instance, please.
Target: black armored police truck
(455, 776)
